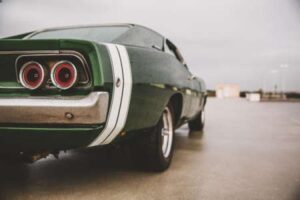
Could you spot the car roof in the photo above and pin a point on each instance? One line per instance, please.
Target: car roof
(136, 35)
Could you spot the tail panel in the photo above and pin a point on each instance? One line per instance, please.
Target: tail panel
(12, 49)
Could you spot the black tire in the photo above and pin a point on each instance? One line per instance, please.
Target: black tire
(149, 145)
(197, 124)
(10, 157)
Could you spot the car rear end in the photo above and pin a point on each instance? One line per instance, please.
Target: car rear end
(54, 94)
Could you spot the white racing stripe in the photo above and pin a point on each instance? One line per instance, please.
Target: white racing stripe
(125, 102)
(121, 95)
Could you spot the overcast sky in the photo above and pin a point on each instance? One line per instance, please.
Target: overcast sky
(223, 41)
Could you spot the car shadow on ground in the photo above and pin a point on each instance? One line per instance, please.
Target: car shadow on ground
(188, 140)
(81, 167)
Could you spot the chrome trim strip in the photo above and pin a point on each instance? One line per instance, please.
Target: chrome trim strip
(5, 87)
(91, 109)
(29, 52)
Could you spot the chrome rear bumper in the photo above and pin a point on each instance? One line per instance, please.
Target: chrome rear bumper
(91, 109)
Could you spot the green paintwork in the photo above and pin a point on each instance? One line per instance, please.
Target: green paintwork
(155, 74)
(157, 77)
(31, 139)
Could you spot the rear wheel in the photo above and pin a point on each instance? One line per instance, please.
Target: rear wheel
(197, 124)
(155, 147)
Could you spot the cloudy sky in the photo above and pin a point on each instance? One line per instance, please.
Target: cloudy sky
(254, 43)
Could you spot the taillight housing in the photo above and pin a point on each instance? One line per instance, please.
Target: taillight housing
(62, 71)
(32, 75)
(64, 75)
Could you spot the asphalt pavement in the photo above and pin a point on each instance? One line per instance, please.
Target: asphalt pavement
(247, 151)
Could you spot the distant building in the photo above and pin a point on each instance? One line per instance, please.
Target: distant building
(252, 96)
(227, 91)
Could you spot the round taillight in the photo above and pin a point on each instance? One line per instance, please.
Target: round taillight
(64, 75)
(32, 75)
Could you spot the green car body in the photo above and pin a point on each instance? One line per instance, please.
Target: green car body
(127, 84)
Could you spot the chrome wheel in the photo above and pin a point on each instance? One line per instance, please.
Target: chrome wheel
(155, 147)
(202, 117)
(167, 132)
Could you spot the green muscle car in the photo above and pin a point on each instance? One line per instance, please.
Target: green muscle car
(86, 86)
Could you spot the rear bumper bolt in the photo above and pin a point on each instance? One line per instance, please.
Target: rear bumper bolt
(69, 115)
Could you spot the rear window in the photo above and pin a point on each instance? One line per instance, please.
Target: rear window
(97, 34)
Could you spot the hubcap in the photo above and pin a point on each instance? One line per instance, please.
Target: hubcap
(167, 132)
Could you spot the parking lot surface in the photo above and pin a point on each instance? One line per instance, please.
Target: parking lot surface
(247, 151)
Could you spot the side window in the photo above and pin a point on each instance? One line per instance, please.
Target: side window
(171, 49)
(140, 36)
(168, 50)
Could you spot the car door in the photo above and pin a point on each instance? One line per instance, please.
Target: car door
(191, 100)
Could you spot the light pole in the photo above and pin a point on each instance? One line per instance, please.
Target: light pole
(274, 73)
(283, 68)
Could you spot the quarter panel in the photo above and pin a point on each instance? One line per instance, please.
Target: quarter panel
(156, 77)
